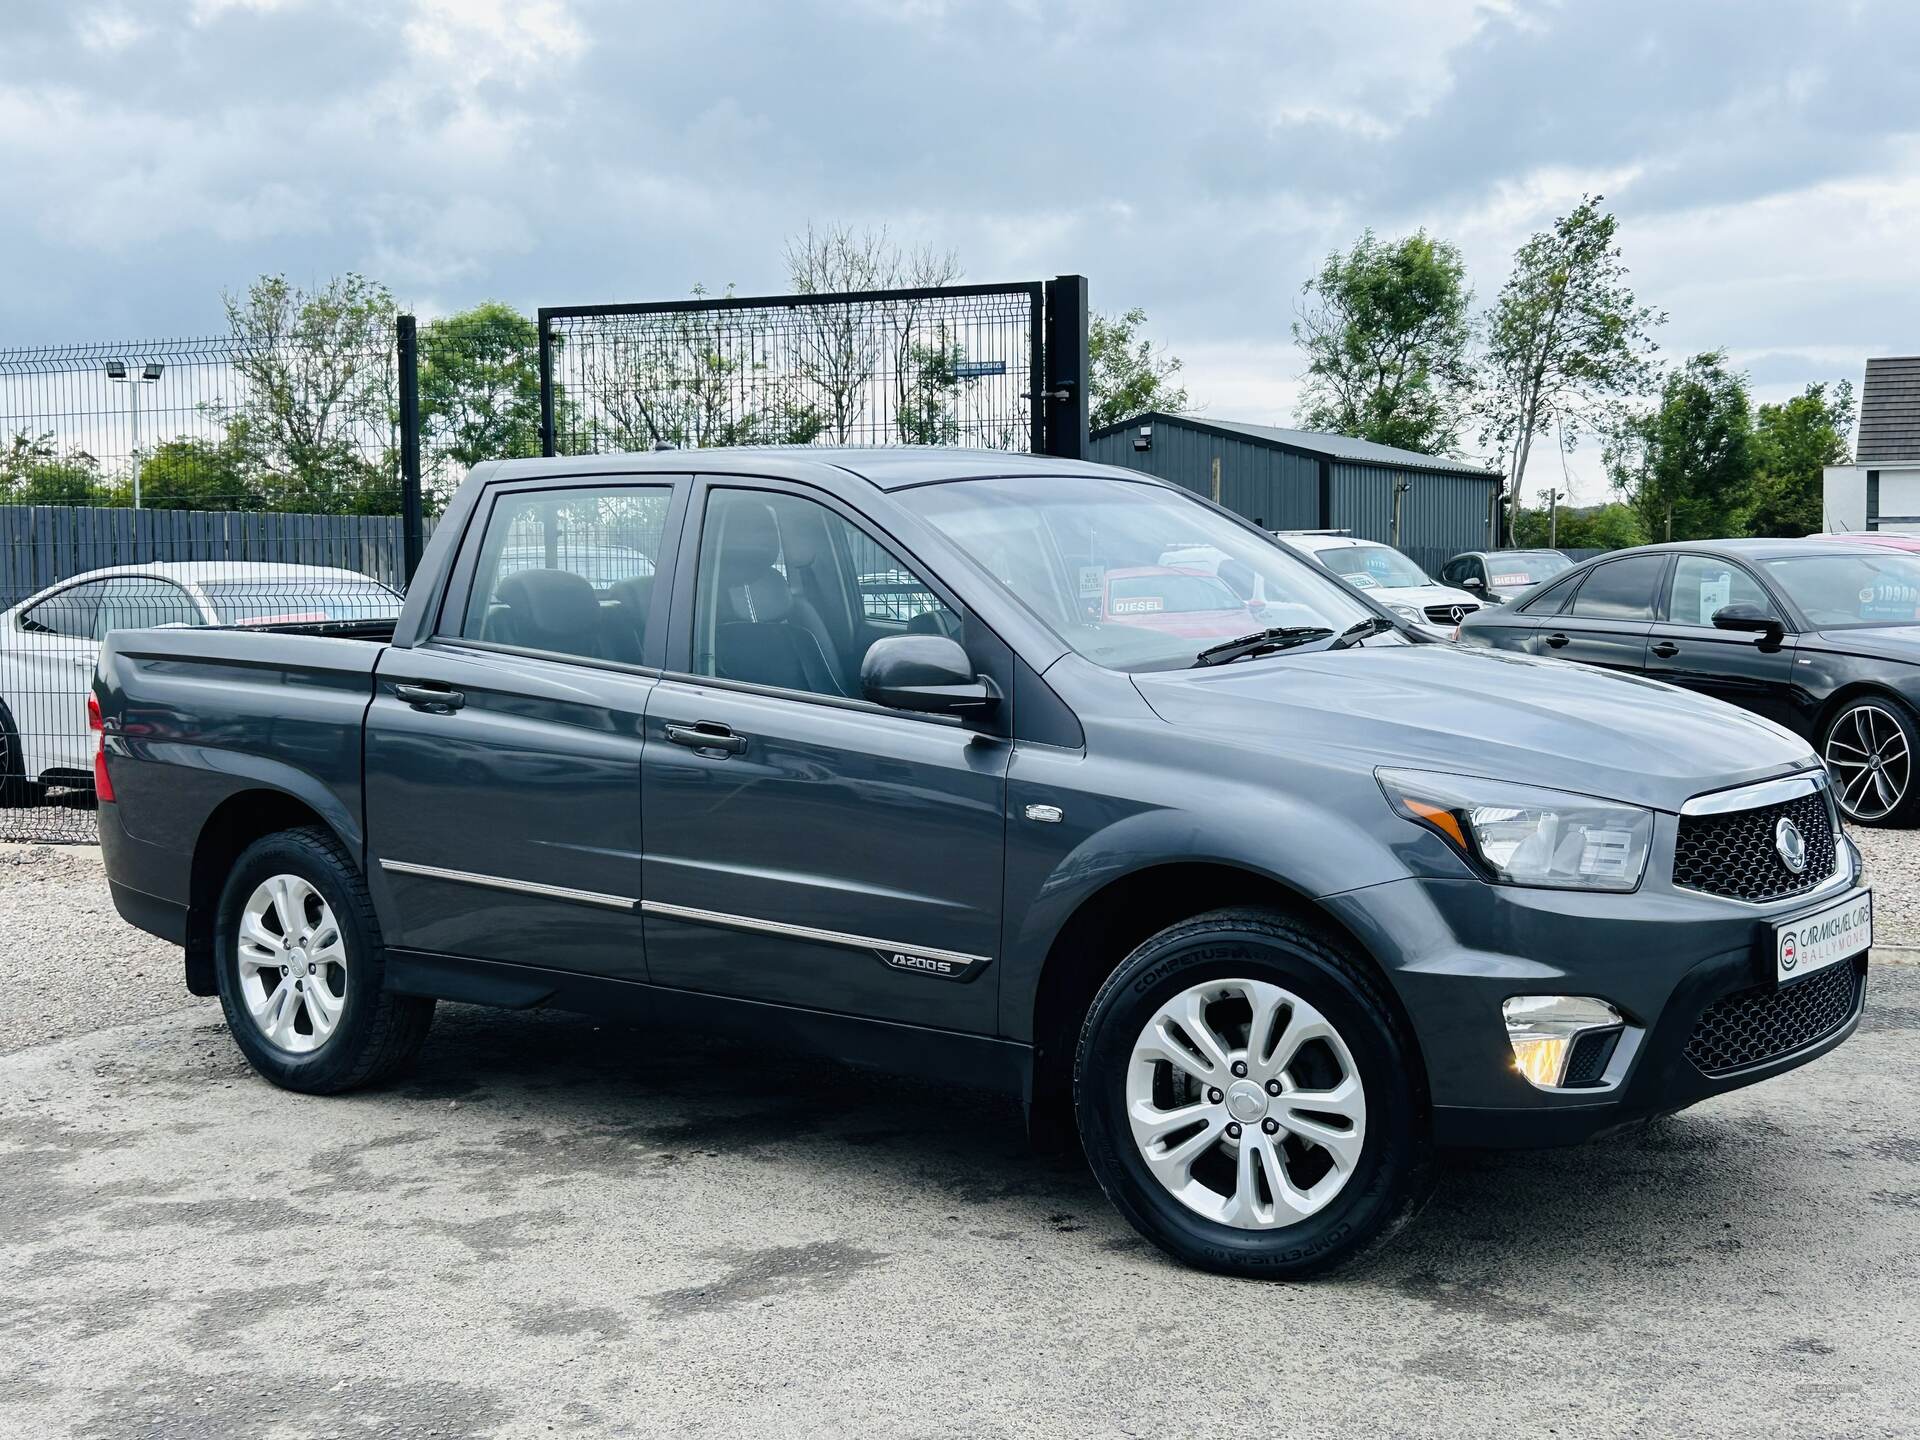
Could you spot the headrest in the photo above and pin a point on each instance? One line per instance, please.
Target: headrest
(635, 594)
(552, 602)
(763, 600)
(751, 538)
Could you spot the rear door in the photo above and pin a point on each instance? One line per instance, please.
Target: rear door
(1684, 648)
(503, 756)
(1606, 623)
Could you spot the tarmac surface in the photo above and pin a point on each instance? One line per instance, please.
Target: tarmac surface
(554, 1227)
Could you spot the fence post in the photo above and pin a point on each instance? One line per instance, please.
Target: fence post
(412, 515)
(1067, 386)
(546, 384)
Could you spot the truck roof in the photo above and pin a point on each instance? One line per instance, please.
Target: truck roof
(886, 467)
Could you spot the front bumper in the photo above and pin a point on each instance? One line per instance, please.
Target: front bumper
(1455, 950)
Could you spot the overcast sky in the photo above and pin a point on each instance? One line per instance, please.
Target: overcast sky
(1194, 159)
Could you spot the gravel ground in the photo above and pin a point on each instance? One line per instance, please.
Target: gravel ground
(554, 1227)
(57, 925)
(1893, 869)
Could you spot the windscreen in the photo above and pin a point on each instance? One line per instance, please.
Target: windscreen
(1082, 551)
(1511, 569)
(1372, 567)
(1834, 591)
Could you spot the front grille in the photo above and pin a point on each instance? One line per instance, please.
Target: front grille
(1734, 854)
(1750, 1027)
(1443, 614)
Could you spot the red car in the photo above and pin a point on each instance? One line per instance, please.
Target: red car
(1188, 603)
(1886, 539)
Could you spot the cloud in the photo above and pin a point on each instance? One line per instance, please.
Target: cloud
(1762, 156)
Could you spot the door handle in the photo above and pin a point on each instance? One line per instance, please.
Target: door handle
(436, 699)
(1556, 640)
(1666, 649)
(707, 735)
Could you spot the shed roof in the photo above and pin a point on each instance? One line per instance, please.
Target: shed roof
(1890, 410)
(1311, 442)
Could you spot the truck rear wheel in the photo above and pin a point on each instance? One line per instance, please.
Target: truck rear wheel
(301, 969)
(1250, 1100)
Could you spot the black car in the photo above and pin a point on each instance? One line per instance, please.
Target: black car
(1501, 576)
(1821, 636)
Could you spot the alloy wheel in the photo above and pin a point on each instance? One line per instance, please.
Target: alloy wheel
(293, 964)
(1872, 765)
(1246, 1104)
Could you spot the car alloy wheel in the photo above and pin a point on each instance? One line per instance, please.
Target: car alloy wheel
(1871, 761)
(292, 964)
(1246, 1104)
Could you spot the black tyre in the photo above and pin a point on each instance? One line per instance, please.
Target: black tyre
(1869, 745)
(1250, 1099)
(302, 971)
(16, 789)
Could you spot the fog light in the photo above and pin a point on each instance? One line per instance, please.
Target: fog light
(1543, 1029)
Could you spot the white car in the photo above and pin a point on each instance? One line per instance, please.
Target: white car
(50, 643)
(1388, 577)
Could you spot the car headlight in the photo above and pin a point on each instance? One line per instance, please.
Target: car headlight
(1524, 835)
(1409, 614)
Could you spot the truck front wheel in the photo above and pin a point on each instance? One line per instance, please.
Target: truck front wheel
(301, 969)
(1250, 1100)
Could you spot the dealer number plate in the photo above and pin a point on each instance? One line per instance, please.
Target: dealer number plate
(1810, 943)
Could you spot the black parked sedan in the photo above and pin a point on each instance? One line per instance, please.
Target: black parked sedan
(1821, 636)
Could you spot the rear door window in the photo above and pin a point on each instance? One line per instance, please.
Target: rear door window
(570, 572)
(71, 612)
(142, 604)
(1620, 589)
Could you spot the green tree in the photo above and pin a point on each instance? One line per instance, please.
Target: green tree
(1127, 375)
(319, 398)
(1567, 343)
(1687, 466)
(1793, 442)
(33, 472)
(1613, 526)
(189, 474)
(1385, 328)
(927, 413)
(480, 386)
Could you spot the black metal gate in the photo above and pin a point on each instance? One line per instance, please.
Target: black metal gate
(993, 366)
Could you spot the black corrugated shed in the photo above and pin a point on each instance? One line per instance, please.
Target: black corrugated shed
(1300, 480)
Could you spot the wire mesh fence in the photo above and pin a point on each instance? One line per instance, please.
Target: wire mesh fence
(959, 365)
(204, 481)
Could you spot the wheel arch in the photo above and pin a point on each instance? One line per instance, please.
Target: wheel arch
(1847, 694)
(1111, 922)
(234, 824)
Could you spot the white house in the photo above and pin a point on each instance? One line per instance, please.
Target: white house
(1880, 490)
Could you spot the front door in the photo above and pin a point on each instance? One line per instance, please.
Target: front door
(503, 757)
(803, 845)
(1684, 647)
(1606, 625)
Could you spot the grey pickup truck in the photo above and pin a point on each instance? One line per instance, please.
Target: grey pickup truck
(1006, 771)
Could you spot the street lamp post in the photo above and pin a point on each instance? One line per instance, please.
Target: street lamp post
(149, 373)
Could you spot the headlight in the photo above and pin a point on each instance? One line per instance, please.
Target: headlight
(1522, 835)
(1408, 613)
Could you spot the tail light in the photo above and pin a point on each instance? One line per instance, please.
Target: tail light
(102, 786)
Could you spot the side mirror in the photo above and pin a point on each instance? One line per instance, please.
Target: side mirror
(1750, 619)
(1475, 584)
(930, 674)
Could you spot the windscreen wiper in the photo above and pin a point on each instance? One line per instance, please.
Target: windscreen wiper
(1281, 637)
(1354, 634)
